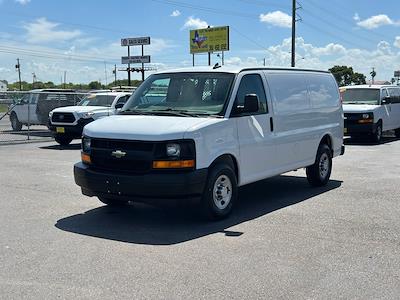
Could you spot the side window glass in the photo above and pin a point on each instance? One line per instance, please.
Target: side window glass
(34, 98)
(122, 100)
(252, 84)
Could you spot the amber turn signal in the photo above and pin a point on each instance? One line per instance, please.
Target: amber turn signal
(85, 158)
(173, 164)
(365, 121)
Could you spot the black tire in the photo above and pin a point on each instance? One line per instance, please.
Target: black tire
(319, 173)
(63, 140)
(15, 123)
(113, 202)
(220, 192)
(397, 132)
(377, 135)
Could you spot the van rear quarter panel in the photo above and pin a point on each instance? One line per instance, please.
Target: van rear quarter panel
(306, 106)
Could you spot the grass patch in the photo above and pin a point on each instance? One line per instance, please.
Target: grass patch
(3, 108)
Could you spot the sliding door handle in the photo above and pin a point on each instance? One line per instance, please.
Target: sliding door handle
(271, 124)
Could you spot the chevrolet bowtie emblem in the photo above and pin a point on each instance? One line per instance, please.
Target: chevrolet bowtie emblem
(118, 153)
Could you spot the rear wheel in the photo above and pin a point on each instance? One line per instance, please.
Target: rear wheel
(397, 132)
(319, 173)
(220, 193)
(63, 140)
(15, 123)
(112, 202)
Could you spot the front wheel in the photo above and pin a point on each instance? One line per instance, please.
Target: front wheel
(377, 135)
(63, 140)
(112, 202)
(15, 123)
(220, 193)
(319, 173)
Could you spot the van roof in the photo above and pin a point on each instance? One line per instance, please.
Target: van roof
(235, 69)
(368, 86)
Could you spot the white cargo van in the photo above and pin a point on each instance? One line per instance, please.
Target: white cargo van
(202, 132)
(370, 110)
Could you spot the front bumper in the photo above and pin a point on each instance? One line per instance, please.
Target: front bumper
(152, 187)
(359, 129)
(71, 130)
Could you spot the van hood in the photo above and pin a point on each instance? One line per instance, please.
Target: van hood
(80, 109)
(146, 128)
(359, 108)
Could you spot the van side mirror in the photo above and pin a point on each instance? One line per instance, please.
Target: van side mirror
(119, 105)
(386, 100)
(251, 103)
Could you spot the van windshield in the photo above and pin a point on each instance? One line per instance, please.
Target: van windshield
(360, 96)
(97, 100)
(181, 94)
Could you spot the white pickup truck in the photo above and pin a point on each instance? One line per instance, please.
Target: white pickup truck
(67, 123)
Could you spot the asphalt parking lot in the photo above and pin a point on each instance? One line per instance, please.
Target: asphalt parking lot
(284, 240)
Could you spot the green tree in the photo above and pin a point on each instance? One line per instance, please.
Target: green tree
(95, 85)
(345, 75)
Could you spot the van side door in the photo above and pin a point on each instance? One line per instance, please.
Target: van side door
(387, 99)
(21, 109)
(295, 135)
(256, 146)
(394, 94)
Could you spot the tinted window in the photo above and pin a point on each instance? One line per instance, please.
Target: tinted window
(252, 84)
(394, 94)
(122, 100)
(323, 91)
(289, 91)
(97, 100)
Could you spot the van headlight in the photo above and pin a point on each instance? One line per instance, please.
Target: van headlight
(87, 115)
(367, 116)
(50, 114)
(173, 150)
(86, 143)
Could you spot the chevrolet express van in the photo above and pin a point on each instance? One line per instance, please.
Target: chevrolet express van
(200, 133)
(369, 110)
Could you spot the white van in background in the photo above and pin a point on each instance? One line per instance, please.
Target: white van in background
(369, 110)
(202, 132)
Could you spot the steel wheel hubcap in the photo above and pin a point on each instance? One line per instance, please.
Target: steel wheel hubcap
(222, 192)
(324, 165)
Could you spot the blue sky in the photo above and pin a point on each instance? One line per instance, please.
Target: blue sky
(83, 37)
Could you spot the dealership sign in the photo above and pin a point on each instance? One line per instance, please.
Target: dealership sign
(209, 39)
(135, 59)
(135, 41)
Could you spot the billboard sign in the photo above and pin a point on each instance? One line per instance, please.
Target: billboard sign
(396, 73)
(135, 59)
(135, 41)
(209, 39)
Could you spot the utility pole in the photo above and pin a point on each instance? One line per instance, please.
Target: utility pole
(105, 71)
(129, 67)
(264, 61)
(18, 67)
(373, 74)
(33, 80)
(115, 75)
(209, 53)
(294, 8)
(65, 78)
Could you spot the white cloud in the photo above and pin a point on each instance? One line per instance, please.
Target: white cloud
(175, 13)
(356, 17)
(23, 2)
(277, 18)
(42, 31)
(194, 23)
(377, 21)
(397, 42)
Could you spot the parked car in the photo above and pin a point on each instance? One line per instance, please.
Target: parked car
(369, 110)
(67, 123)
(34, 107)
(200, 133)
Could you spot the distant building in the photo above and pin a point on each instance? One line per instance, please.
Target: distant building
(3, 85)
(379, 82)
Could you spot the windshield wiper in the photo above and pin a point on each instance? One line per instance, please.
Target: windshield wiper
(134, 112)
(175, 112)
